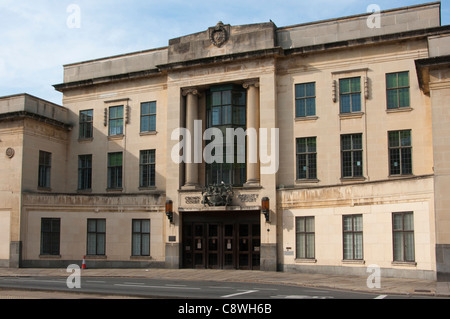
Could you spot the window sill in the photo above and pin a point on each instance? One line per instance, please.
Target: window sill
(404, 263)
(400, 176)
(85, 140)
(352, 179)
(141, 257)
(306, 181)
(114, 190)
(400, 110)
(306, 118)
(116, 137)
(305, 261)
(44, 189)
(50, 256)
(84, 191)
(150, 133)
(147, 188)
(92, 257)
(355, 115)
(353, 262)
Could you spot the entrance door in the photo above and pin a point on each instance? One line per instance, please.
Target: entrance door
(220, 244)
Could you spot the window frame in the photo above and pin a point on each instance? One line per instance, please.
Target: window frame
(118, 173)
(140, 233)
(400, 148)
(306, 243)
(306, 98)
(403, 233)
(351, 93)
(116, 122)
(354, 237)
(84, 172)
(310, 157)
(148, 117)
(50, 237)
(44, 169)
(151, 169)
(98, 234)
(352, 151)
(398, 89)
(86, 126)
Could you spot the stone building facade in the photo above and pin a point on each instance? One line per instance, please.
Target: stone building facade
(343, 165)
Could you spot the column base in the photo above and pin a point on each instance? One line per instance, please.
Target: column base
(191, 187)
(252, 183)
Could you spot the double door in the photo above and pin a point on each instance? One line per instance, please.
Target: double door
(221, 245)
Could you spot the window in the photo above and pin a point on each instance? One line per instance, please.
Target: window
(148, 117)
(350, 95)
(116, 120)
(353, 237)
(45, 165)
(84, 172)
(403, 236)
(147, 168)
(397, 86)
(115, 170)
(96, 237)
(400, 153)
(305, 99)
(50, 236)
(141, 237)
(306, 158)
(226, 108)
(86, 124)
(305, 238)
(352, 155)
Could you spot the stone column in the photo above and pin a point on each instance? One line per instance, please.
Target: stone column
(191, 168)
(253, 168)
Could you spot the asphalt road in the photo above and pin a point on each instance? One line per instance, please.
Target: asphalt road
(199, 290)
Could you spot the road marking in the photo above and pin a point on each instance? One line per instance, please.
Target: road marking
(240, 293)
(268, 289)
(169, 285)
(381, 297)
(134, 283)
(157, 287)
(96, 281)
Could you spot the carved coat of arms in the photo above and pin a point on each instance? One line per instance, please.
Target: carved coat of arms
(217, 195)
(219, 34)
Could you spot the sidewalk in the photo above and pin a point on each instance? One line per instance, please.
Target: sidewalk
(395, 286)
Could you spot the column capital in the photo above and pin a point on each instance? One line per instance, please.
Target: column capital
(193, 91)
(250, 83)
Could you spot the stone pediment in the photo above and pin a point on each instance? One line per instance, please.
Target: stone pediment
(222, 39)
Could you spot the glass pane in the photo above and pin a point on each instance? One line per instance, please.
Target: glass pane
(136, 245)
(357, 223)
(310, 224)
(310, 89)
(145, 108)
(217, 98)
(357, 141)
(145, 245)
(403, 79)
(300, 108)
(312, 145)
(346, 142)
(136, 226)
(243, 230)
(391, 81)
(226, 115)
(356, 85)
(398, 222)
(300, 91)
(301, 145)
(358, 250)
(347, 223)
(409, 247)
(216, 116)
(300, 225)
(145, 226)
(398, 246)
(392, 99)
(348, 246)
(310, 238)
(356, 102)
(101, 226)
(101, 244)
(344, 86)
(92, 225)
(394, 138)
(405, 138)
(406, 161)
(408, 222)
(226, 97)
(239, 98)
(311, 107)
(91, 245)
(301, 246)
(153, 108)
(345, 104)
(403, 97)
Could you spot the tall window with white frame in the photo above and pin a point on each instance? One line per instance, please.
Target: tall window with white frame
(45, 166)
(307, 158)
(115, 167)
(403, 236)
(400, 153)
(352, 156)
(305, 238)
(147, 169)
(353, 237)
(141, 237)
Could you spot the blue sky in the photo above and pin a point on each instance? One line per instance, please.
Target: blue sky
(36, 40)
